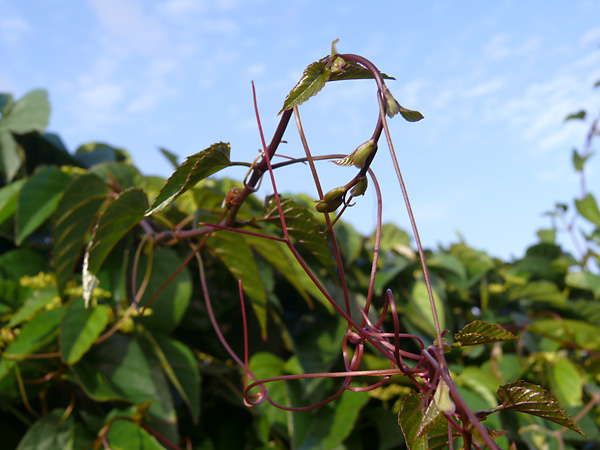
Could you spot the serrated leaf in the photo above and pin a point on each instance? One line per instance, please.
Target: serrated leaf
(80, 328)
(195, 168)
(579, 115)
(236, 255)
(119, 217)
(354, 71)
(533, 399)
(38, 199)
(410, 419)
(312, 81)
(303, 227)
(479, 332)
(588, 208)
(74, 218)
(30, 113)
(8, 198)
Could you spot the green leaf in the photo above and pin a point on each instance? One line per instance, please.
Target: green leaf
(181, 368)
(169, 307)
(94, 153)
(74, 218)
(547, 235)
(236, 255)
(6, 100)
(51, 432)
(579, 161)
(354, 71)
(588, 208)
(539, 291)
(80, 328)
(8, 199)
(122, 368)
(34, 303)
(17, 263)
(580, 115)
(10, 160)
(410, 419)
(566, 382)
(171, 157)
(568, 331)
(303, 227)
(119, 217)
(195, 168)
(35, 335)
(584, 280)
(411, 115)
(419, 300)
(532, 399)
(30, 113)
(126, 435)
(312, 81)
(38, 200)
(279, 256)
(479, 332)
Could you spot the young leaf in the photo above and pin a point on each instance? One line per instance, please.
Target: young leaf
(195, 168)
(80, 328)
(441, 403)
(303, 227)
(312, 81)
(579, 161)
(479, 332)
(38, 199)
(74, 218)
(354, 71)
(579, 115)
(588, 208)
(236, 255)
(533, 399)
(118, 218)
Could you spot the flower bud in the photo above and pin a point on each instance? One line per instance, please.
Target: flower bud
(334, 193)
(358, 156)
(393, 107)
(330, 206)
(360, 187)
(337, 65)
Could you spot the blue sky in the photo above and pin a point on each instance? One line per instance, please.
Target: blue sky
(493, 79)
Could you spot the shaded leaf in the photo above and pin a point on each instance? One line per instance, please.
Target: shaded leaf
(30, 113)
(479, 332)
(194, 169)
(94, 153)
(80, 328)
(169, 307)
(127, 435)
(38, 199)
(181, 368)
(532, 399)
(312, 81)
(568, 331)
(51, 432)
(10, 160)
(119, 217)
(236, 255)
(74, 218)
(588, 208)
(303, 227)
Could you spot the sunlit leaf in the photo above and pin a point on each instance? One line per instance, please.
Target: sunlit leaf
(479, 332)
(10, 161)
(566, 383)
(36, 334)
(303, 227)
(188, 174)
(568, 331)
(532, 399)
(588, 208)
(38, 199)
(312, 81)
(34, 303)
(80, 328)
(8, 198)
(584, 280)
(74, 218)
(171, 157)
(30, 113)
(354, 71)
(127, 435)
(422, 316)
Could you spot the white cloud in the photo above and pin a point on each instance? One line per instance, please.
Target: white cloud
(486, 88)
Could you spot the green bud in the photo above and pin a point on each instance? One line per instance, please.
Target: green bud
(337, 65)
(393, 108)
(360, 187)
(358, 156)
(334, 193)
(327, 207)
